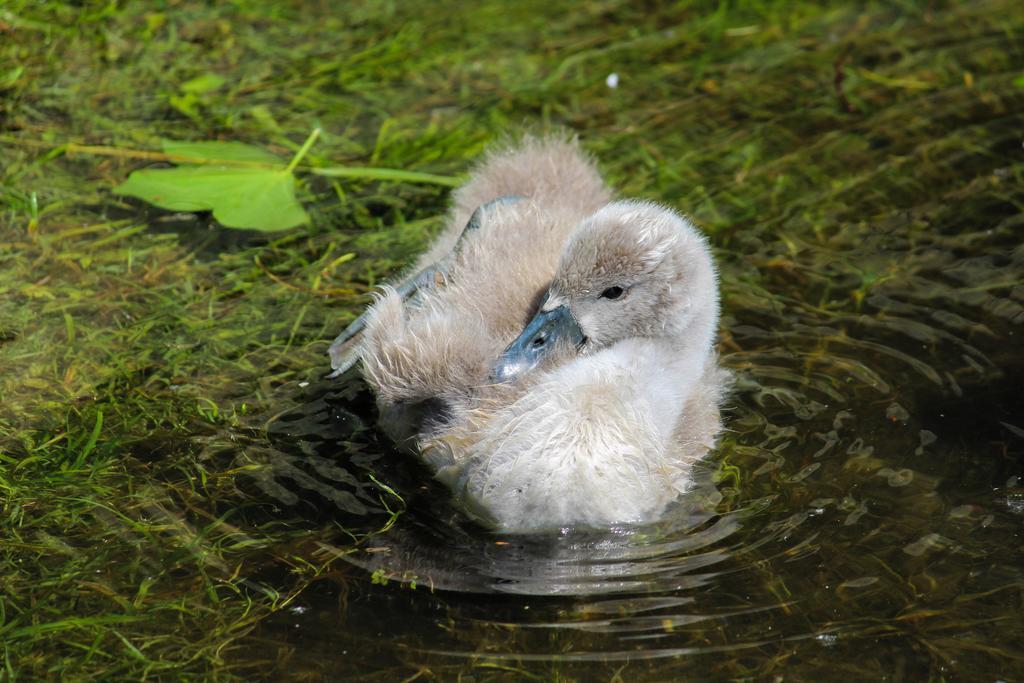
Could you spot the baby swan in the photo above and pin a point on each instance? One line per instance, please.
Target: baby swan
(428, 343)
(610, 394)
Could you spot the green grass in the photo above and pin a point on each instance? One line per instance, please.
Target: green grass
(136, 349)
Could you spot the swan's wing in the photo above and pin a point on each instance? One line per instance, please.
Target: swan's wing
(347, 347)
(346, 350)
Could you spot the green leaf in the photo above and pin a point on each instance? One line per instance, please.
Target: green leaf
(256, 198)
(244, 186)
(221, 151)
(8, 79)
(187, 104)
(203, 84)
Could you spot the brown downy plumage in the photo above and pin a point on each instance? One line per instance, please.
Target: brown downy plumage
(440, 341)
(552, 354)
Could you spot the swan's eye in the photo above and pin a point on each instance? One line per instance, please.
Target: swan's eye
(612, 293)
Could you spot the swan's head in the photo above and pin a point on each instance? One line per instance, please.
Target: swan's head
(633, 269)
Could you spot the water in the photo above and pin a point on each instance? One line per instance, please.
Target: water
(861, 519)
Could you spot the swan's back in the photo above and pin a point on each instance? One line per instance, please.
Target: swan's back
(442, 343)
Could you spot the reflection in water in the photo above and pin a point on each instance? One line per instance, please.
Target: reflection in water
(863, 512)
(825, 520)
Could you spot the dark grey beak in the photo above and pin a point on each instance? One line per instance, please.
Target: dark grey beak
(548, 333)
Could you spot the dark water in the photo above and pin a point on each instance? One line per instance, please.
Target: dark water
(862, 519)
